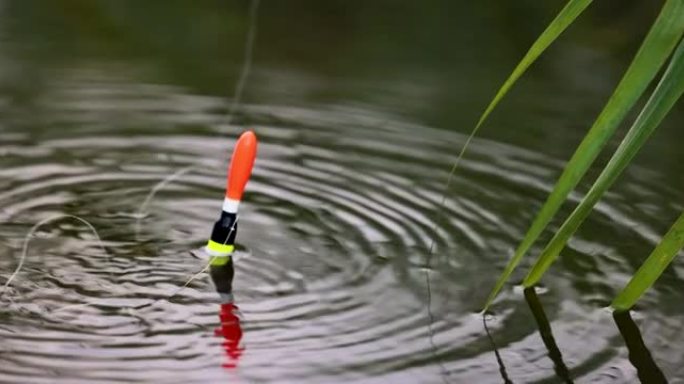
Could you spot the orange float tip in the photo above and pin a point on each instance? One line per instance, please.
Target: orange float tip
(241, 164)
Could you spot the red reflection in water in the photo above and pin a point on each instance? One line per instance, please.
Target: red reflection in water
(231, 332)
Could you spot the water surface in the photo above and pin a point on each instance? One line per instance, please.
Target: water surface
(360, 110)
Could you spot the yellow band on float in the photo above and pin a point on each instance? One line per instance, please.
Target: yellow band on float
(219, 252)
(218, 249)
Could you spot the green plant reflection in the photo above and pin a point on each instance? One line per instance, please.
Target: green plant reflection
(546, 335)
(639, 355)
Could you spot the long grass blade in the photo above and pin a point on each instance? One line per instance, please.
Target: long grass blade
(653, 267)
(657, 46)
(564, 18)
(666, 94)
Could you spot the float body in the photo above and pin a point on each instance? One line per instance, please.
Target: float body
(221, 243)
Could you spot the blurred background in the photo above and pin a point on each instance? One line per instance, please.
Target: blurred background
(361, 108)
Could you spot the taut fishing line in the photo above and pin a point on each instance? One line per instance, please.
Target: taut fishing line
(247, 63)
(192, 278)
(37, 226)
(27, 239)
(428, 264)
(237, 97)
(142, 210)
(196, 275)
(139, 215)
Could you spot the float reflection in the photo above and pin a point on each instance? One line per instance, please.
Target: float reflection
(229, 329)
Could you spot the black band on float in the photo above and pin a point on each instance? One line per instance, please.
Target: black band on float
(225, 229)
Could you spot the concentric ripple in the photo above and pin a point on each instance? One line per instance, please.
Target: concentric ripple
(332, 260)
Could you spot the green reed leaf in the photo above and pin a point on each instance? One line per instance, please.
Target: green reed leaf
(666, 94)
(564, 18)
(656, 47)
(653, 267)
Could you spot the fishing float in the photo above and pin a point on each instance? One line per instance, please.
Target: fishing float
(221, 243)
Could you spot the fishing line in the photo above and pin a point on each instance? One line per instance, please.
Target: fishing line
(431, 335)
(193, 277)
(190, 280)
(159, 186)
(36, 226)
(237, 97)
(247, 63)
(33, 229)
(196, 275)
(438, 217)
(141, 212)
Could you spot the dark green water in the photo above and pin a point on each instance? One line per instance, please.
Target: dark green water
(360, 108)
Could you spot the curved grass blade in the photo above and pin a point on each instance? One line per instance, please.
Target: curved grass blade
(657, 46)
(652, 268)
(564, 18)
(666, 94)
